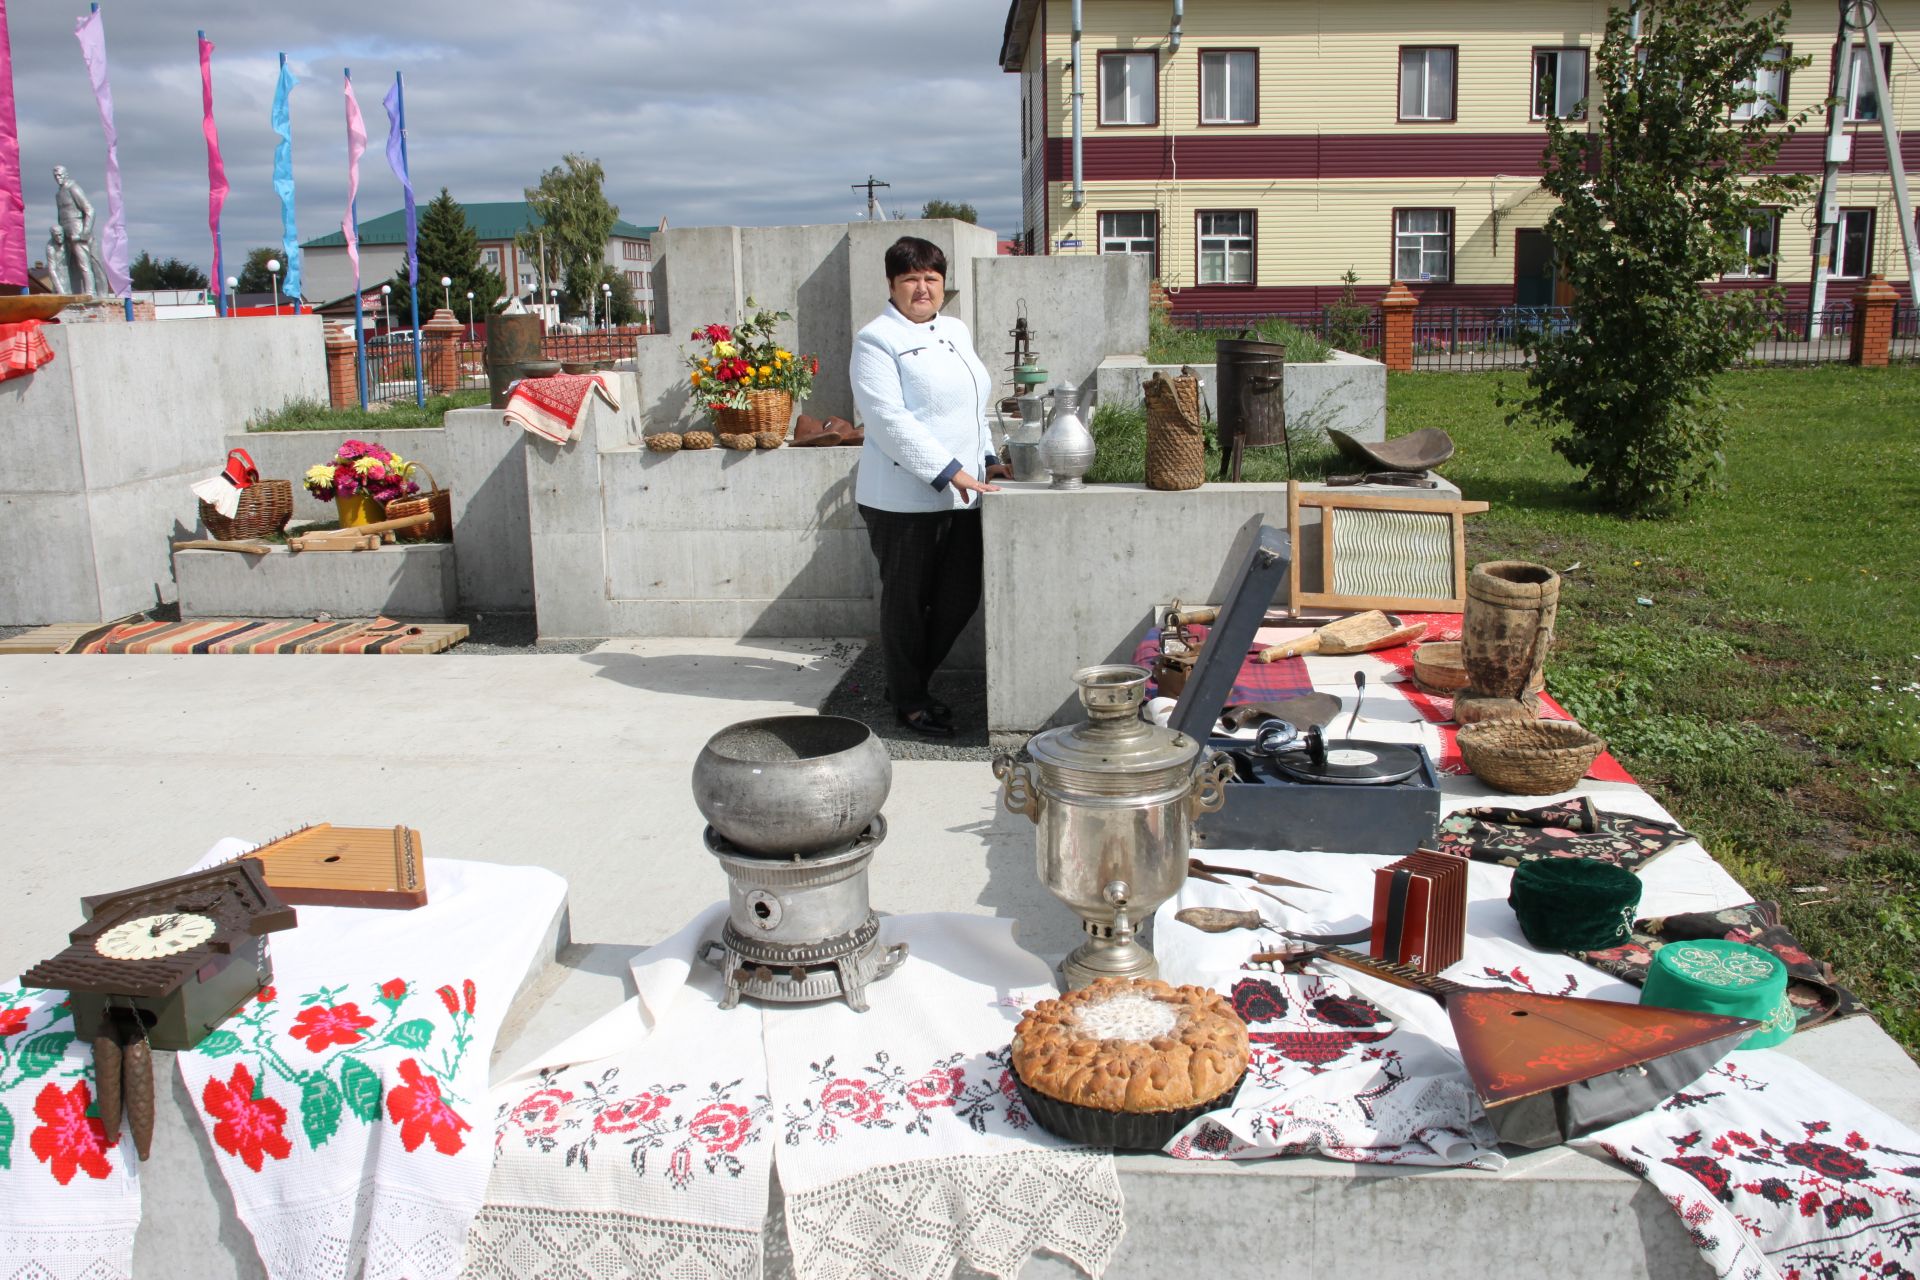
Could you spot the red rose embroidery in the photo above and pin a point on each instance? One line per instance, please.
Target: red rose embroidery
(69, 1140)
(937, 1088)
(468, 989)
(721, 1126)
(320, 1026)
(12, 1022)
(1708, 1173)
(680, 1166)
(1854, 1140)
(1256, 1000)
(267, 995)
(539, 1113)
(852, 1100)
(394, 990)
(246, 1126)
(625, 1117)
(418, 1109)
(450, 998)
(1827, 1161)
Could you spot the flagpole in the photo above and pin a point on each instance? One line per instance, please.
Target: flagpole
(359, 312)
(413, 265)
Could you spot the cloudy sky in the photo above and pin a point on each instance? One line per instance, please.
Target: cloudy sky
(760, 114)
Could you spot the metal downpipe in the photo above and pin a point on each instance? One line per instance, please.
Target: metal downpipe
(1079, 196)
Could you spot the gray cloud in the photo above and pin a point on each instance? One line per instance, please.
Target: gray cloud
(757, 114)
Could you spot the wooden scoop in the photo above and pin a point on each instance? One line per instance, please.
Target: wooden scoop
(1357, 634)
(1219, 919)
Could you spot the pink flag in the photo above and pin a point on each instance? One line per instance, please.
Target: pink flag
(216, 167)
(13, 205)
(91, 32)
(356, 147)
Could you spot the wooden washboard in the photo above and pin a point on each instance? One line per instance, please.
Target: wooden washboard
(325, 865)
(1382, 551)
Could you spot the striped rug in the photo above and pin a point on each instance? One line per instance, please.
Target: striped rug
(267, 635)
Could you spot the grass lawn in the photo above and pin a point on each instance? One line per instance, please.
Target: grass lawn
(313, 415)
(1755, 660)
(1169, 345)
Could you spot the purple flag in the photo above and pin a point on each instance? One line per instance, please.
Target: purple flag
(216, 167)
(91, 32)
(356, 147)
(13, 205)
(397, 161)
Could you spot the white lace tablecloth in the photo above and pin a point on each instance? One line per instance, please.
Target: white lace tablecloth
(644, 1145)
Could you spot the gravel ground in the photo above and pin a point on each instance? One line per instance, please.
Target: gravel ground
(493, 633)
(858, 696)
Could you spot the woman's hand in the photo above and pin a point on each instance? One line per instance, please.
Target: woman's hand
(966, 486)
(999, 471)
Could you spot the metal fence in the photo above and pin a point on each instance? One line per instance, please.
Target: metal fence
(1905, 347)
(1467, 339)
(390, 358)
(1802, 336)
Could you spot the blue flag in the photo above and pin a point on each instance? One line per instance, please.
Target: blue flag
(283, 178)
(397, 161)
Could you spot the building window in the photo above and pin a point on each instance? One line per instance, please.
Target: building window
(1761, 240)
(1852, 255)
(1559, 83)
(1423, 244)
(1863, 104)
(638, 279)
(1229, 86)
(1768, 83)
(491, 257)
(1129, 88)
(1133, 232)
(633, 250)
(1427, 83)
(1226, 247)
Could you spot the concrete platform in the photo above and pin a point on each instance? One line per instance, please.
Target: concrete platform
(415, 581)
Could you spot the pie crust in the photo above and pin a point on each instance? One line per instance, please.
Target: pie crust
(1132, 1045)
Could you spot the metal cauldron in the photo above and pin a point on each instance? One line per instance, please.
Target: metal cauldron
(1115, 800)
(789, 786)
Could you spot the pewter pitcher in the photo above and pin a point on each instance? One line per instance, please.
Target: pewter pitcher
(1067, 449)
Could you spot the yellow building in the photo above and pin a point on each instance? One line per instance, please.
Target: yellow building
(1258, 149)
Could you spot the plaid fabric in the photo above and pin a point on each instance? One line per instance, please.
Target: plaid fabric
(1257, 681)
(23, 348)
(256, 635)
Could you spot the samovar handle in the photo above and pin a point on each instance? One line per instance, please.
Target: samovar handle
(1209, 794)
(1017, 789)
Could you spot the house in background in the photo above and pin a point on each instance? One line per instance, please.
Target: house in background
(1257, 151)
(383, 240)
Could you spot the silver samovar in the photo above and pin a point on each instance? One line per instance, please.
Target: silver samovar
(1115, 800)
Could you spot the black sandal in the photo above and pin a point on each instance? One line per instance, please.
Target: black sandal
(941, 713)
(922, 722)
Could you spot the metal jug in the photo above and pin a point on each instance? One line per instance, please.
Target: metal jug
(1067, 449)
(1022, 449)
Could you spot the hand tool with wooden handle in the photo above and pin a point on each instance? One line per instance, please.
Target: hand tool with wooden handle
(1199, 873)
(1259, 877)
(216, 544)
(1357, 634)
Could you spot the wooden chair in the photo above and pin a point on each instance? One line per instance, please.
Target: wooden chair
(1382, 551)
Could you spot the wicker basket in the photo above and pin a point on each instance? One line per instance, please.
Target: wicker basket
(1437, 667)
(765, 411)
(1176, 442)
(436, 502)
(1529, 757)
(265, 508)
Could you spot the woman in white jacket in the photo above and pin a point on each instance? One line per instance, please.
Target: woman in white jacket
(922, 395)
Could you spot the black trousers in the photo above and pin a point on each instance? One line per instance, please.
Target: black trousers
(930, 574)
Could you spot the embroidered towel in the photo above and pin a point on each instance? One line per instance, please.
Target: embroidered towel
(551, 408)
(342, 1104)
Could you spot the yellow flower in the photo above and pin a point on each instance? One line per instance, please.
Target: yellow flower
(364, 465)
(723, 349)
(782, 355)
(322, 474)
(706, 364)
(747, 376)
(696, 379)
(764, 371)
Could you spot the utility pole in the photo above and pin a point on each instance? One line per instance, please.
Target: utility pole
(873, 206)
(1839, 149)
(1896, 167)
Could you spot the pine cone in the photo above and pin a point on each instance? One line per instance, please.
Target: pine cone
(729, 441)
(664, 442)
(769, 439)
(697, 440)
(106, 1077)
(136, 1086)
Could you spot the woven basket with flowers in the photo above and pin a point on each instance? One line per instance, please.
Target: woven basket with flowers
(745, 378)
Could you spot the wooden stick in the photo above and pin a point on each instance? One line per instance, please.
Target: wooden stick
(404, 522)
(215, 544)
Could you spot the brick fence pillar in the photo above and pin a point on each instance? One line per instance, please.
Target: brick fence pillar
(440, 337)
(1396, 314)
(1873, 321)
(343, 382)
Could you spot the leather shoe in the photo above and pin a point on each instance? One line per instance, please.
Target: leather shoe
(941, 713)
(923, 723)
(809, 432)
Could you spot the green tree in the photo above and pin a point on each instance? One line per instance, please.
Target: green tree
(1660, 198)
(573, 221)
(148, 272)
(950, 209)
(448, 246)
(254, 277)
(1347, 317)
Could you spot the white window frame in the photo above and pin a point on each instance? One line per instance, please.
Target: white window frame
(1144, 242)
(1772, 270)
(1769, 81)
(1425, 242)
(1863, 82)
(1837, 259)
(1428, 111)
(1222, 61)
(490, 259)
(1131, 63)
(1558, 54)
(1227, 243)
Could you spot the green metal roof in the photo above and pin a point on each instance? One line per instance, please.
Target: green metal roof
(492, 220)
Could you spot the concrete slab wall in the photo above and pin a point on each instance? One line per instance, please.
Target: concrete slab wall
(414, 583)
(118, 427)
(1082, 308)
(1345, 393)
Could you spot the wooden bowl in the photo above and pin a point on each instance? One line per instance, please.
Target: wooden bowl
(1439, 668)
(35, 306)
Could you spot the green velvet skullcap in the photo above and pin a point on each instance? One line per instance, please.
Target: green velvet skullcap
(1574, 904)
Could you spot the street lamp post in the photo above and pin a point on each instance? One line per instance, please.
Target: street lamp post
(273, 269)
(233, 296)
(469, 315)
(606, 310)
(386, 291)
(446, 294)
(553, 299)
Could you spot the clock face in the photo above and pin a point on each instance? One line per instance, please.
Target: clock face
(151, 937)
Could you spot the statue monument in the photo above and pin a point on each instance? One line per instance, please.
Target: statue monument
(57, 259)
(79, 263)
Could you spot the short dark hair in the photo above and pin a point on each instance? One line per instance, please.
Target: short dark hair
(911, 253)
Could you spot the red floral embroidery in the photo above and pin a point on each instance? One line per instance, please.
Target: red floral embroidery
(450, 998)
(267, 995)
(852, 1100)
(539, 1113)
(1826, 1160)
(625, 1117)
(468, 989)
(245, 1126)
(69, 1140)
(722, 1126)
(394, 990)
(680, 1167)
(937, 1088)
(12, 1022)
(320, 1026)
(418, 1109)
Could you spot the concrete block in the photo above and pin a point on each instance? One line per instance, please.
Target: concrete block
(1083, 309)
(867, 244)
(696, 277)
(724, 563)
(741, 618)
(46, 560)
(1345, 393)
(570, 584)
(716, 489)
(133, 525)
(487, 472)
(43, 448)
(664, 401)
(413, 581)
(802, 270)
(607, 428)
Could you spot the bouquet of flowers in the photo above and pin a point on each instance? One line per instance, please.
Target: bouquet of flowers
(362, 468)
(745, 358)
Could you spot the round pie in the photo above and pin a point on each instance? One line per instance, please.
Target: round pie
(1132, 1045)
